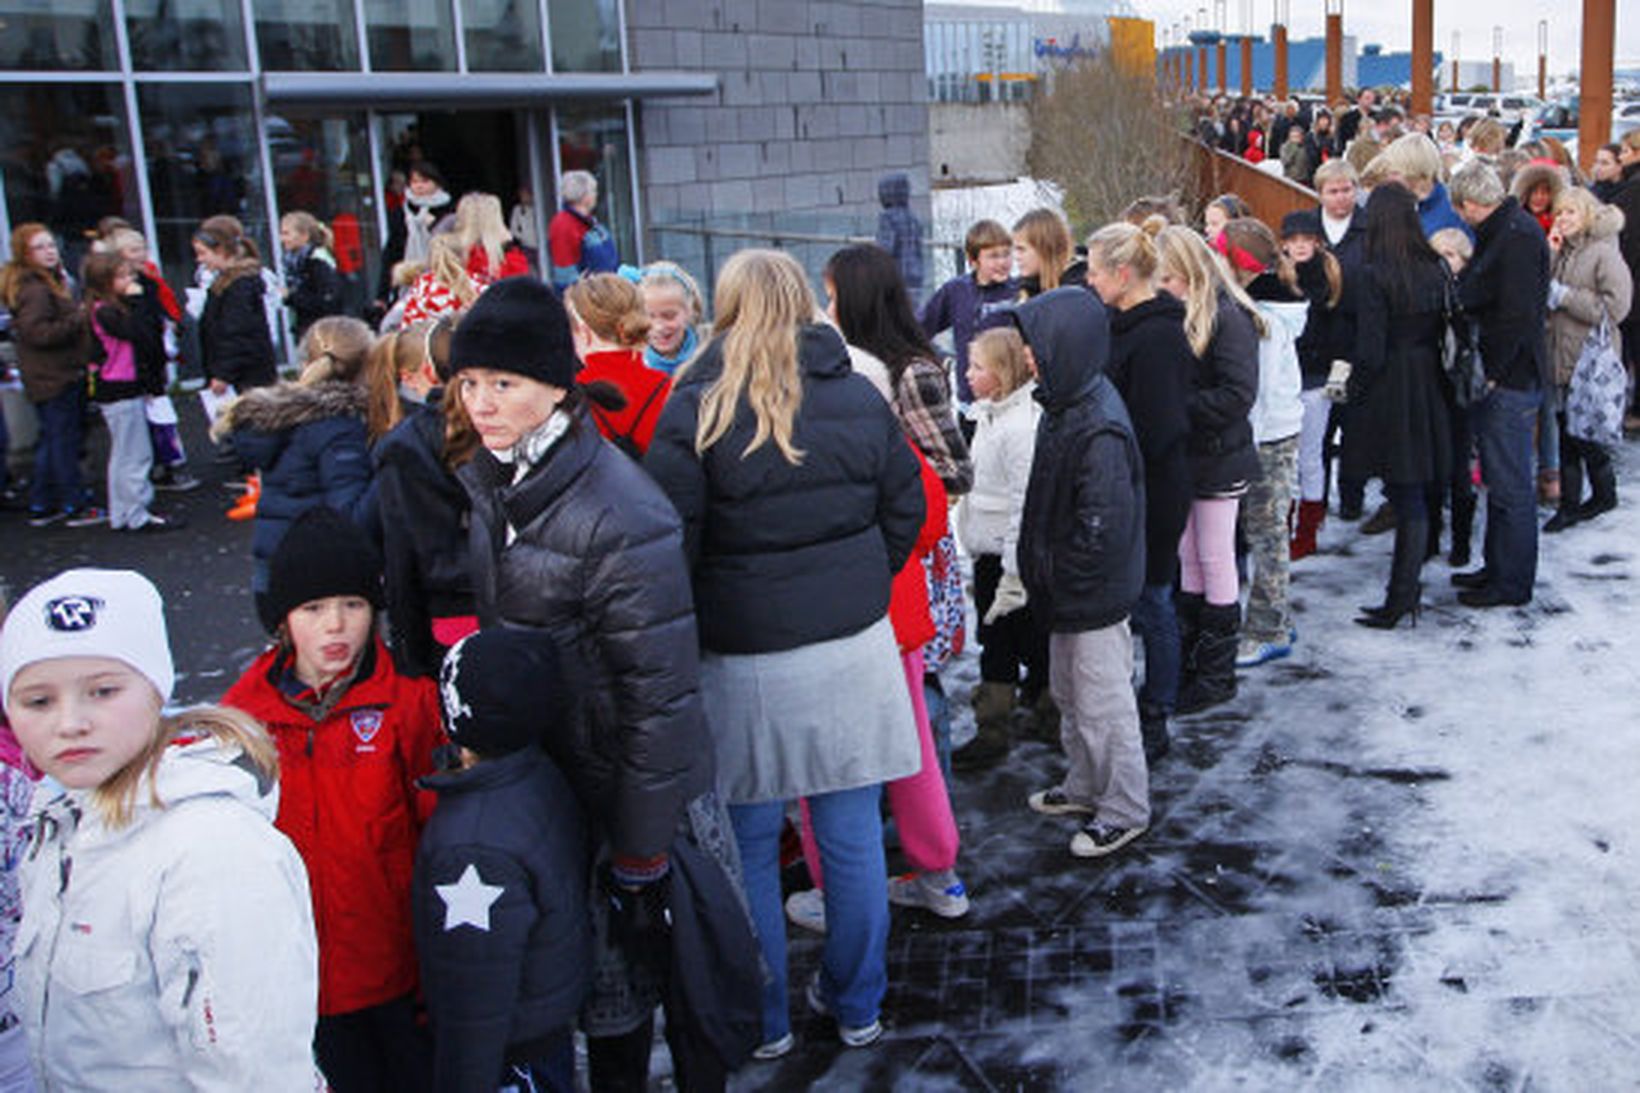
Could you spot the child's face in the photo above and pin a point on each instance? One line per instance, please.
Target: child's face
(669, 317)
(981, 378)
(1454, 261)
(1026, 259)
(290, 238)
(1214, 220)
(1537, 202)
(991, 265)
(136, 254)
(82, 719)
(328, 635)
(1299, 248)
(123, 280)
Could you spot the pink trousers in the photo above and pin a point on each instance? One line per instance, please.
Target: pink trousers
(1207, 551)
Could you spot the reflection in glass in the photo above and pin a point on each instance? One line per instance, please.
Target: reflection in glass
(502, 35)
(52, 36)
(593, 138)
(586, 35)
(186, 35)
(306, 35)
(410, 35)
(322, 166)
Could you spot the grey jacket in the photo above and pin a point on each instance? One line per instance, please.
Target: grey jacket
(1588, 279)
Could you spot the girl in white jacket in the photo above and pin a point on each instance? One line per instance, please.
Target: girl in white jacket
(167, 939)
(988, 526)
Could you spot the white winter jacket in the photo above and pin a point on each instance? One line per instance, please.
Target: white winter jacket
(176, 953)
(1004, 442)
(1278, 412)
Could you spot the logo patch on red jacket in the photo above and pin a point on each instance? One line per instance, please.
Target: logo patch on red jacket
(366, 724)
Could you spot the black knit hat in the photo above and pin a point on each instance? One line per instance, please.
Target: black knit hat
(1301, 222)
(322, 554)
(517, 325)
(501, 690)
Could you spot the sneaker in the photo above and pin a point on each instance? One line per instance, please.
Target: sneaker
(1096, 839)
(1251, 653)
(852, 1036)
(44, 518)
(89, 516)
(157, 523)
(774, 1049)
(807, 909)
(941, 893)
(177, 482)
(1053, 802)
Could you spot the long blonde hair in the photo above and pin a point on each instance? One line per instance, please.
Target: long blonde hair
(763, 299)
(116, 797)
(479, 223)
(447, 262)
(1186, 255)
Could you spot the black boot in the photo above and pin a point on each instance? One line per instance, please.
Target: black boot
(1405, 590)
(1215, 656)
(1153, 732)
(1187, 608)
(1569, 510)
(994, 733)
(1463, 526)
(1433, 501)
(1602, 483)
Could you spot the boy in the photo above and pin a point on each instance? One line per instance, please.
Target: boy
(1082, 560)
(962, 304)
(501, 877)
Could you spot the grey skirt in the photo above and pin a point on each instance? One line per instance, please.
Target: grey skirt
(824, 717)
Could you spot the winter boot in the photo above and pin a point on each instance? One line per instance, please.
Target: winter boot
(1602, 484)
(245, 507)
(1214, 680)
(1381, 521)
(1187, 608)
(1153, 732)
(993, 713)
(1570, 510)
(1045, 719)
(1463, 527)
(1405, 591)
(1311, 515)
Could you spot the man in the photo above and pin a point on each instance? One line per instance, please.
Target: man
(1505, 290)
(1345, 226)
(1626, 196)
(1350, 123)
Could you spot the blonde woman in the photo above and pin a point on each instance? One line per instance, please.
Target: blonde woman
(814, 501)
(481, 232)
(444, 287)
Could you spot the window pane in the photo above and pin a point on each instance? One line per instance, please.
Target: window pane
(66, 153)
(502, 35)
(37, 35)
(322, 166)
(593, 138)
(307, 35)
(202, 160)
(410, 35)
(586, 35)
(186, 35)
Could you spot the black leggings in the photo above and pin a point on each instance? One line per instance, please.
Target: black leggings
(1012, 640)
(379, 1049)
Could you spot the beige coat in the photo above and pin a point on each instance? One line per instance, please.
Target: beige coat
(1596, 282)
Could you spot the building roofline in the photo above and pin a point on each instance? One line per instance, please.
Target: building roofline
(421, 90)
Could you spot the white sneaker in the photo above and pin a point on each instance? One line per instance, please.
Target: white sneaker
(1096, 839)
(856, 1036)
(807, 909)
(775, 1049)
(942, 893)
(1053, 802)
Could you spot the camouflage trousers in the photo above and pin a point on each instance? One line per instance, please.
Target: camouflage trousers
(1264, 512)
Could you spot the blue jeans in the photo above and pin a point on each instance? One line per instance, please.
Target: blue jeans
(1158, 628)
(1503, 433)
(939, 720)
(854, 963)
(57, 455)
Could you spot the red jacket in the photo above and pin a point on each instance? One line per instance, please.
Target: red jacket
(645, 389)
(514, 263)
(348, 800)
(908, 599)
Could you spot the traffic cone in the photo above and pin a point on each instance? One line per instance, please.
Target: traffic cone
(245, 507)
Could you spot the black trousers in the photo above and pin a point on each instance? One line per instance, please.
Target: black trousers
(1012, 641)
(620, 1064)
(379, 1049)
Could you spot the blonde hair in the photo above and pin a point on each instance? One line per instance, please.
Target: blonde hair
(612, 306)
(480, 223)
(1186, 255)
(1125, 245)
(1333, 170)
(1361, 152)
(1001, 351)
(663, 275)
(1487, 137)
(116, 797)
(310, 227)
(763, 299)
(1455, 241)
(1586, 203)
(119, 240)
(398, 353)
(447, 262)
(339, 348)
(1044, 231)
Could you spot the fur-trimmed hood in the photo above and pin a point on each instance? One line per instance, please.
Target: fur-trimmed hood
(287, 405)
(1606, 223)
(1528, 177)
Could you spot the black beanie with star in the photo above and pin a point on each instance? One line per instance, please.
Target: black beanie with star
(501, 690)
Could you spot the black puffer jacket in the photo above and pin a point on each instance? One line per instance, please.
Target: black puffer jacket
(1505, 289)
(233, 330)
(494, 987)
(598, 564)
(783, 555)
(1082, 536)
(1323, 340)
(1222, 456)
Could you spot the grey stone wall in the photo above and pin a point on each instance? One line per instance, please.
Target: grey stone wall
(815, 102)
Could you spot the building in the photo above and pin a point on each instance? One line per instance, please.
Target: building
(994, 53)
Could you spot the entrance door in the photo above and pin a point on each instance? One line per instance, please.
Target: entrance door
(474, 149)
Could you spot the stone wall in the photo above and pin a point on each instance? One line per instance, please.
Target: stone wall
(978, 143)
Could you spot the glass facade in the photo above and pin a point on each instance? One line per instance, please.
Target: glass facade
(185, 35)
(586, 35)
(411, 35)
(593, 138)
(502, 35)
(307, 35)
(46, 36)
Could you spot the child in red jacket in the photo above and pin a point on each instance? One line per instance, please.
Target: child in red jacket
(353, 737)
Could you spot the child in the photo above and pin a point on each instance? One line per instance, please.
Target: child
(353, 736)
(988, 525)
(609, 326)
(1321, 280)
(445, 287)
(675, 307)
(133, 368)
(313, 288)
(233, 329)
(17, 780)
(962, 303)
(1042, 252)
(1087, 472)
(1456, 248)
(178, 951)
(502, 929)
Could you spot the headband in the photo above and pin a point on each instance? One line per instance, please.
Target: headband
(1237, 256)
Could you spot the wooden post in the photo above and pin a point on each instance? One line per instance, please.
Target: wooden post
(1224, 74)
(1594, 124)
(1543, 58)
(1278, 39)
(1497, 60)
(1423, 56)
(1247, 66)
(1335, 56)
(1201, 68)
(1454, 60)
(1190, 71)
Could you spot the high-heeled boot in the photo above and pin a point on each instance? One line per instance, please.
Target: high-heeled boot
(1405, 590)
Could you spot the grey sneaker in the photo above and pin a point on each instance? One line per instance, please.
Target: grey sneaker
(1053, 802)
(852, 1036)
(942, 893)
(775, 1049)
(807, 909)
(89, 516)
(1097, 839)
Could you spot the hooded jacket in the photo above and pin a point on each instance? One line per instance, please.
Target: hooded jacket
(898, 230)
(1505, 290)
(1004, 441)
(233, 330)
(52, 335)
(1529, 178)
(176, 952)
(1589, 279)
(1082, 535)
(1435, 213)
(1277, 413)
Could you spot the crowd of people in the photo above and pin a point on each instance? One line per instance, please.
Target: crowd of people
(560, 581)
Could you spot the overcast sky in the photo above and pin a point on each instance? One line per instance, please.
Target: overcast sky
(1389, 23)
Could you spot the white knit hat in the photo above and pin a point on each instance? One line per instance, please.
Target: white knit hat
(115, 613)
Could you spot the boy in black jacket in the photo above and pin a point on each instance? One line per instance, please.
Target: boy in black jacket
(500, 889)
(1082, 558)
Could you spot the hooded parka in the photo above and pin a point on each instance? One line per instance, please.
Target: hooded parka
(1588, 280)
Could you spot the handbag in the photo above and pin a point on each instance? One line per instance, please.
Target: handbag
(1598, 392)
(1461, 353)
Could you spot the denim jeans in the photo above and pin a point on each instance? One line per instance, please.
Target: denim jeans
(939, 720)
(57, 456)
(1158, 629)
(854, 962)
(1503, 432)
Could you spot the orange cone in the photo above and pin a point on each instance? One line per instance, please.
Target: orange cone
(245, 507)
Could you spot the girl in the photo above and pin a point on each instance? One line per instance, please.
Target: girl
(1219, 212)
(488, 247)
(1219, 325)
(352, 736)
(313, 288)
(133, 368)
(170, 458)
(1152, 367)
(1321, 280)
(444, 287)
(178, 952)
(673, 302)
(233, 331)
(1042, 251)
(607, 321)
(51, 334)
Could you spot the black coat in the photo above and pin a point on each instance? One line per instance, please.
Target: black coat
(1505, 290)
(516, 824)
(423, 513)
(597, 563)
(788, 555)
(1151, 366)
(143, 325)
(1082, 534)
(1224, 385)
(1324, 338)
(1626, 196)
(315, 291)
(233, 331)
(1403, 430)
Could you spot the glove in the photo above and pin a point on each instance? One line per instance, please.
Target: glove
(1010, 597)
(640, 919)
(1338, 382)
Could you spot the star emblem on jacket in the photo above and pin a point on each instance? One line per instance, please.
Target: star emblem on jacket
(467, 901)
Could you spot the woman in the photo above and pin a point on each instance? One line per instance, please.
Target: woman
(800, 500)
(233, 330)
(1590, 284)
(1396, 384)
(491, 252)
(425, 208)
(570, 537)
(53, 339)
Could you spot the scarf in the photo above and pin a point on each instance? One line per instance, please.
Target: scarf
(655, 359)
(419, 219)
